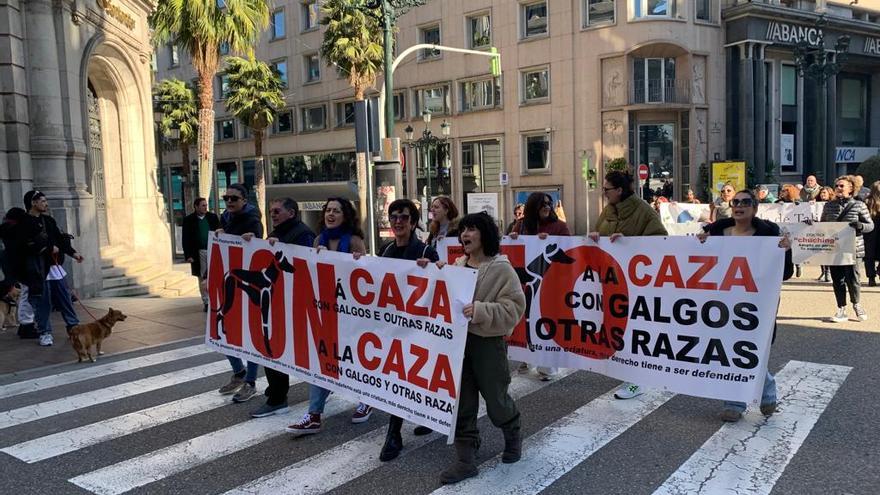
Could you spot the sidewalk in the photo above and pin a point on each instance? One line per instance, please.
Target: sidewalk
(151, 321)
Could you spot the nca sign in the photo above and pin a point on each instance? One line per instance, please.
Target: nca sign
(854, 155)
(792, 33)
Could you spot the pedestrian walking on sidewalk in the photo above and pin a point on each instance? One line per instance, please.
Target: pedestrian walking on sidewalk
(845, 208)
(240, 218)
(498, 305)
(746, 223)
(626, 215)
(196, 228)
(340, 231)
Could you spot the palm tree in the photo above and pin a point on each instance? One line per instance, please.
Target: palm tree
(353, 42)
(201, 27)
(180, 115)
(255, 95)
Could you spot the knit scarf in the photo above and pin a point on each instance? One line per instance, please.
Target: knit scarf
(344, 236)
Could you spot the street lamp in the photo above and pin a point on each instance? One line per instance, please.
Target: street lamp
(818, 63)
(425, 144)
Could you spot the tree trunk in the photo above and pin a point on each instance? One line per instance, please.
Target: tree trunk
(260, 175)
(362, 186)
(206, 133)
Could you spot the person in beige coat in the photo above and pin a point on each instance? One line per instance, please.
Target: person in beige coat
(498, 305)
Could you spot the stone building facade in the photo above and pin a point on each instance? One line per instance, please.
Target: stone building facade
(75, 83)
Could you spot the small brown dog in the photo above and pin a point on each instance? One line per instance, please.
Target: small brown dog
(9, 307)
(82, 336)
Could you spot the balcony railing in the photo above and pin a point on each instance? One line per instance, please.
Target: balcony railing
(657, 91)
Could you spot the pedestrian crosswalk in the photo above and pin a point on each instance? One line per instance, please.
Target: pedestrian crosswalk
(185, 445)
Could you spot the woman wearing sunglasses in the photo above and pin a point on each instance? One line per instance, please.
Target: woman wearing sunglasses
(745, 222)
(721, 206)
(625, 215)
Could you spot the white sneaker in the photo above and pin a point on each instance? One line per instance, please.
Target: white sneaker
(628, 391)
(860, 312)
(46, 339)
(840, 316)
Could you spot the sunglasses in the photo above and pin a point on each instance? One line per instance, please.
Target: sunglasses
(399, 218)
(232, 199)
(742, 202)
(840, 185)
(547, 204)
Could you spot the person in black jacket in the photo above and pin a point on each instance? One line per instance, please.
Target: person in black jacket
(41, 245)
(289, 230)
(746, 223)
(404, 218)
(197, 226)
(238, 219)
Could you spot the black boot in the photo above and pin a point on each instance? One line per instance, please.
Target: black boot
(872, 282)
(464, 467)
(28, 331)
(393, 440)
(512, 446)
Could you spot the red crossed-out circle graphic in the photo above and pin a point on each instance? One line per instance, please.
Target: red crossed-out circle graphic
(561, 278)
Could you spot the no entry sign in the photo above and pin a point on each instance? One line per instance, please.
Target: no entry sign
(643, 172)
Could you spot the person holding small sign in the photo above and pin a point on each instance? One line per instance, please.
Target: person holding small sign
(746, 223)
(498, 305)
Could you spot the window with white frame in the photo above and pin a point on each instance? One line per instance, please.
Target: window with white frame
(345, 113)
(479, 29)
(705, 10)
(310, 13)
(225, 130)
(399, 106)
(536, 152)
(280, 67)
(278, 27)
(283, 122)
(598, 12)
(652, 8)
(174, 55)
(536, 85)
(480, 94)
(312, 63)
(433, 100)
(533, 19)
(429, 35)
(314, 118)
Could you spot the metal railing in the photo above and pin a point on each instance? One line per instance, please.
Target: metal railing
(660, 91)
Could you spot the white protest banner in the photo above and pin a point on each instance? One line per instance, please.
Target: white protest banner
(817, 207)
(822, 243)
(664, 312)
(383, 331)
(683, 213)
(785, 212)
(690, 228)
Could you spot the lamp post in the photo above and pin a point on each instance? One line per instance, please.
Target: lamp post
(424, 144)
(818, 63)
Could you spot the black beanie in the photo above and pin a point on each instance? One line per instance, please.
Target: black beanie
(30, 196)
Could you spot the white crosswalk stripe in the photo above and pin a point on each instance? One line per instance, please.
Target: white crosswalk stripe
(100, 370)
(747, 457)
(44, 410)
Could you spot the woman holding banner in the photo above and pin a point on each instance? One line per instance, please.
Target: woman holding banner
(539, 218)
(340, 231)
(625, 215)
(444, 220)
(746, 223)
(499, 303)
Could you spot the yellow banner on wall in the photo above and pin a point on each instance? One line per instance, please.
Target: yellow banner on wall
(724, 172)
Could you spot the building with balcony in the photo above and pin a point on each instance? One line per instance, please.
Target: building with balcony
(582, 80)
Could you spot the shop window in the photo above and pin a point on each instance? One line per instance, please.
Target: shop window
(533, 19)
(481, 165)
(480, 95)
(535, 85)
(480, 31)
(598, 12)
(314, 118)
(430, 35)
(536, 153)
(278, 27)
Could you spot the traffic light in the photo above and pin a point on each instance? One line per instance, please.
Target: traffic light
(495, 62)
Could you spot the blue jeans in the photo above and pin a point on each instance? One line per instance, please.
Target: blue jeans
(250, 375)
(42, 305)
(768, 396)
(62, 301)
(317, 399)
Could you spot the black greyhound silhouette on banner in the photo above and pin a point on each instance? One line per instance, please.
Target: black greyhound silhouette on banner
(532, 275)
(258, 286)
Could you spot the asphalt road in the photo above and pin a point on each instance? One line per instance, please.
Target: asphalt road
(151, 422)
